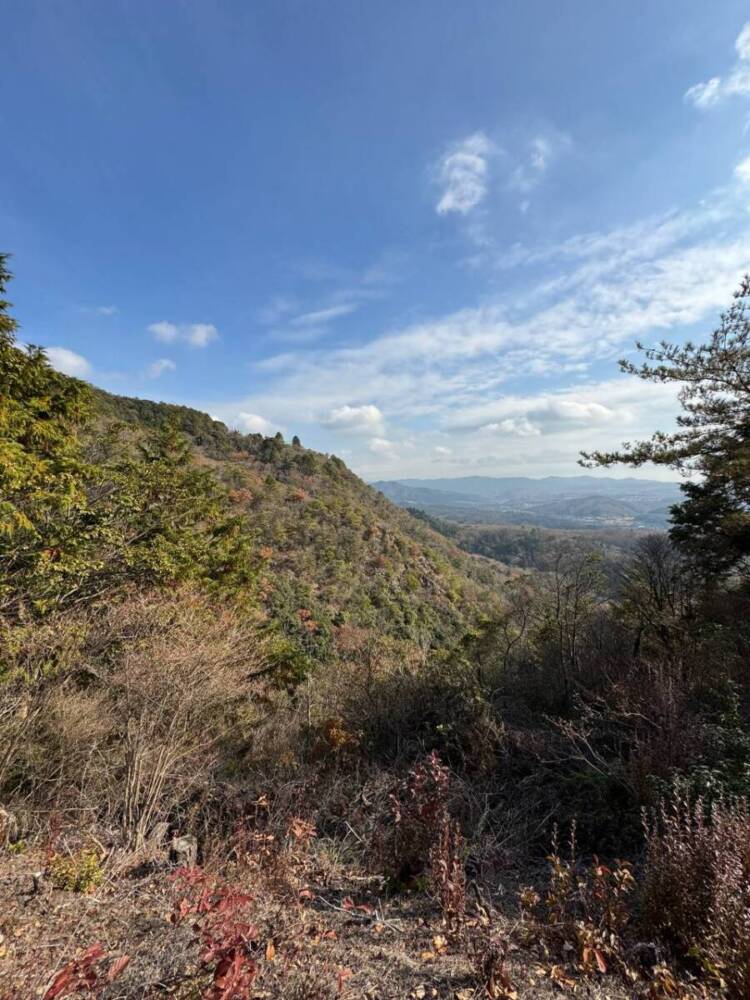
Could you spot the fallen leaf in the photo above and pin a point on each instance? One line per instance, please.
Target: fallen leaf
(119, 965)
(439, 943)
(342, 977)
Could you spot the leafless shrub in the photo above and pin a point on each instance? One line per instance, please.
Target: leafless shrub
(176, 685)
(34, 659)
(119, 715)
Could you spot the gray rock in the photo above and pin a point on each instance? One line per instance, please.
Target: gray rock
(11, 827)
(183, 851)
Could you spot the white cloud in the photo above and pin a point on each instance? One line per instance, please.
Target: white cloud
(68, 362)
(520, 426)
(575, 411)
(193, 334)
(252, 423)
(735, 83)
(442, 451)
(742, 43)
(157, 368)
(742, 171)
(365, 419)
(200, 334)
(164, 331)
(383, 448)
(612, 404)
(704, 95)
(442, 379)
(463, 174)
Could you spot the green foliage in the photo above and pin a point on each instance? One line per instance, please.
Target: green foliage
(79, 872)
(44, 500)
(167, 520)
(712, 524)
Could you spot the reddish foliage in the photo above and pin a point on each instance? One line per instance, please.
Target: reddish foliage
(419, 808)
(447, 874)
(85, 974)
(225, 935)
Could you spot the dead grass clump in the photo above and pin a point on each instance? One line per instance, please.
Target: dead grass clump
(697, 887)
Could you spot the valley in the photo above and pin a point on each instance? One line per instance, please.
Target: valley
(552, 502)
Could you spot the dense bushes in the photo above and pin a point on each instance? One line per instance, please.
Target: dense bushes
(146, 706)
(697, 886)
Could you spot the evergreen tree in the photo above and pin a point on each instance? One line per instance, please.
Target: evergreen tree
(43, 475)
(712, 442)
(74, 529)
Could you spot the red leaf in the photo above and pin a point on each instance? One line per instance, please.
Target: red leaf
(343, 975)
(118, 966)
(95, 951)
(600, 963)
(61, 980)
(349, 905)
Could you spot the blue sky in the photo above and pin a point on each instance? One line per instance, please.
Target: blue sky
(419, 235)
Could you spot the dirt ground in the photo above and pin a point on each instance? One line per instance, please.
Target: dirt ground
(318, 933)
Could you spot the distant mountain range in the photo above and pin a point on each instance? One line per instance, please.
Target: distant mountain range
(553, 502)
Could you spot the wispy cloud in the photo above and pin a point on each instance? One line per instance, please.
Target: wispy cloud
(193, 334)
(159, 367)
(100, 310)
(383, 448)
(452, 381)
(68, 362)
(542, 151)
(278, 309)
(735, 83)
(304, 318)
(462, 174)
(321, 317)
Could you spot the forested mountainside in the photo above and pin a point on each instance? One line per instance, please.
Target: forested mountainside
(326, 549)
(240, 688)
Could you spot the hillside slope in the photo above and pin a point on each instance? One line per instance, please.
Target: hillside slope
(330, 549)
